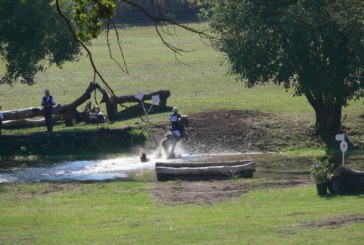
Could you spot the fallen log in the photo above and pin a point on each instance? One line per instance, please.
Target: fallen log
(20, 118)
(163, 96)
(29, 122)
(69, 111)
(204, 170)
(345, 181)
(57, 109)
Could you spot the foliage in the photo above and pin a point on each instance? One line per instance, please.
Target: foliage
(201, 86)
(138, 135)
(89, 15)
(314, 46)
(320, 171)
(54, 31)
(31, 32)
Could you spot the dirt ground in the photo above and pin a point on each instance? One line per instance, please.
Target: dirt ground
(244, 131)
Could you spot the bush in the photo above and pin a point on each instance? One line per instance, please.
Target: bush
(321, 170)
(138, 135)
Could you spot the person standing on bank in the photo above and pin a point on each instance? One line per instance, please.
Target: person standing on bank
(48, 102)
(1, 120)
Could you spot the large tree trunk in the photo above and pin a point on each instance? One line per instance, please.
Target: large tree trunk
(328, 121)
(20, 118)
(57, 110)
(328, 114)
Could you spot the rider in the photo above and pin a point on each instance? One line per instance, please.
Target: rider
(175, 118)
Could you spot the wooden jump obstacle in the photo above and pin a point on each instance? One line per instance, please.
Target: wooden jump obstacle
(204, 170)
(345, 181)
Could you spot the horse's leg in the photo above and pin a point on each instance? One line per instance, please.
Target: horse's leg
(174, 143)
(164, 145)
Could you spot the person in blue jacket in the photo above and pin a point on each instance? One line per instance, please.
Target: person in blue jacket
(176, 127)
(48, 102)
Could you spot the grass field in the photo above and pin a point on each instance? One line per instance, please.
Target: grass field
(124, 212)
(202, 84)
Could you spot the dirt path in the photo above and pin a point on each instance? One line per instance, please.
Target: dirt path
(243, 131)
(209, 192)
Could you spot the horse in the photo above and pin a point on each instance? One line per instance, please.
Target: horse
(170, 140)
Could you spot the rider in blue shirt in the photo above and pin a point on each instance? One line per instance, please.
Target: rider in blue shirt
(175, 118)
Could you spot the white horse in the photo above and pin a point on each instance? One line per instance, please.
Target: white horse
(170, 140)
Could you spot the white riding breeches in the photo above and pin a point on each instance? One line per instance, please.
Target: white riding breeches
(177, 133)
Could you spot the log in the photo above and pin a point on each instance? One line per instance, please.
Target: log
(22, 113)
(29, 122)
(57, 109)
(172, 170)
(69, 110)
(20, 118)
(196, 164)
(137, 110)
(345, 181)
(163, 95)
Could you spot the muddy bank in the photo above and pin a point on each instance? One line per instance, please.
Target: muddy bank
(74, 142)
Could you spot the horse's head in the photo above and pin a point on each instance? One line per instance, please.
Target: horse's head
(184, 121)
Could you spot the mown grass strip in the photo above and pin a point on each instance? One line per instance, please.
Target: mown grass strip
(124, 213)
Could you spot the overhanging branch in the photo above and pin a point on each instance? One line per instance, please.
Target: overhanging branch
(84, 46)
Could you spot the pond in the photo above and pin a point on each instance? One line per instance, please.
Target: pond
(127, 168)
(120, 168)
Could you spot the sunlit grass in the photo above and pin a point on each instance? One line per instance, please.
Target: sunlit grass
(198, 80)
(301, 152)
(124, 213)
(200, 83)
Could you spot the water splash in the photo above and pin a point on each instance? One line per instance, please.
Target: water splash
(120, 168)
(93, 170)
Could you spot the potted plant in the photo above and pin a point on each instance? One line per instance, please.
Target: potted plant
(320, 172)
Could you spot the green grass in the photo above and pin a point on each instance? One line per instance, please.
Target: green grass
(124, 213)
(202, 84)
(301, 152)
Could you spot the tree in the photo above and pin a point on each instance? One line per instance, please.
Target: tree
(314, 46)
(32, 32)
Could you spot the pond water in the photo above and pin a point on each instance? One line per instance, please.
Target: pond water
(126, 168)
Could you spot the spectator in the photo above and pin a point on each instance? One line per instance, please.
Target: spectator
(1, 120)
(48, 102)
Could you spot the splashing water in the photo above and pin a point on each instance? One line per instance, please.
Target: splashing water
(121, 168)
(91, 170)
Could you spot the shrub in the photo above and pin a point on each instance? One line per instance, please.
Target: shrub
(138, 135)
(321, 170)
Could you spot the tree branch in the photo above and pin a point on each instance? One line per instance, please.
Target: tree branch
(163, 22)
(118, 42)
(84, 46)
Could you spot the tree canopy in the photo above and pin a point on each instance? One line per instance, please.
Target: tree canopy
(31, 33)
(315, 46)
